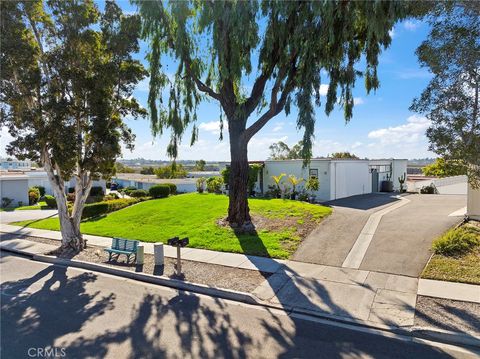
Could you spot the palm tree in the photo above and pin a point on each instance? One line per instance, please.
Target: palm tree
(295, 182)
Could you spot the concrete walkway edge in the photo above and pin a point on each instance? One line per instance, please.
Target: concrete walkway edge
(449, 290)
(357, 253)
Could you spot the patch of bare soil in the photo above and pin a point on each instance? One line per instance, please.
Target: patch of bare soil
(446, 314)
(302, 228)
(213, 275)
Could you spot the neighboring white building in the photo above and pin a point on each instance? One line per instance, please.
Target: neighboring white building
(184, 185)
(15, 165)
(338, 178)
(15, 187)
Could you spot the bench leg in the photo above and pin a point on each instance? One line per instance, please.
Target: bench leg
(109, 256)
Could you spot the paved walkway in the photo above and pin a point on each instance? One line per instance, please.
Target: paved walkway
(26, 215)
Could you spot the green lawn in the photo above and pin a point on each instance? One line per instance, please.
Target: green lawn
(464, 268)
(457, 256)
(195, 216)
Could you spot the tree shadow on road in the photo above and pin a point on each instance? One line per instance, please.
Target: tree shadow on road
(36, 318)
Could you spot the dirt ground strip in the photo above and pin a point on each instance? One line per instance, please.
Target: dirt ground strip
(448, 314)
(213, 275)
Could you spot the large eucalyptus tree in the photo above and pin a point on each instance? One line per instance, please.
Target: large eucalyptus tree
(67, 76)
(257, 60)
(451, 101)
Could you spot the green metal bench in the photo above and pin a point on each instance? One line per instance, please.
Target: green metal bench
(122, 246)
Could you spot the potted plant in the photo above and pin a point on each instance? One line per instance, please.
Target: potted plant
(295, 182)
(312, 186)
(278, 181)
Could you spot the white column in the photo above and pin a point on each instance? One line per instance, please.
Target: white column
(473, 203)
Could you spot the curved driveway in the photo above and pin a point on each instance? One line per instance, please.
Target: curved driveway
(401, 243)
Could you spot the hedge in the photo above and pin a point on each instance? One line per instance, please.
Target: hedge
(138, 193)
(41, 189)
(99, 208)
(159, 191)
(51, 202)
(173, 187)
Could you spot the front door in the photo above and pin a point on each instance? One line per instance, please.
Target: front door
(374, 180)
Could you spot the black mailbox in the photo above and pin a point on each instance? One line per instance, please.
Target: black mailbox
(177, 242)
(173, 241)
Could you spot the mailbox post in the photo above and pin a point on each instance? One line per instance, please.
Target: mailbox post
(179, 243)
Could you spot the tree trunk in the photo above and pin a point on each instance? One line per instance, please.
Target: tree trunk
(238, 211)
(69, 225)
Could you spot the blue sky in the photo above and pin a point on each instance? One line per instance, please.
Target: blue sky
(381, 127)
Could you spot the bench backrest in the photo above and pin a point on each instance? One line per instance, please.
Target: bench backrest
(124, 244)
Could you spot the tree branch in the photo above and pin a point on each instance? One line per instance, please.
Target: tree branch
(200, 85)
(275, 106)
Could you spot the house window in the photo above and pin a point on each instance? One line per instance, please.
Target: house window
(313, 173)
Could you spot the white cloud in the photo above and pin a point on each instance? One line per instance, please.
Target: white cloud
(278, 127)
(407, 74)
(358, 101)
(143, 86)
(213, 127)
(412, 25)
(392, 33)
(412, 131)
(323, 89)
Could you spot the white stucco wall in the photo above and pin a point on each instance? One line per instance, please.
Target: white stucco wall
(16, 189)
(473, 203)
(399, 167)
(349, 178)
(295, 167)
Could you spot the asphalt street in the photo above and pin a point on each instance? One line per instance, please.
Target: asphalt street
(83, 314)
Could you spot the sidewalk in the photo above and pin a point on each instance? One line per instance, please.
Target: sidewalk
(353, 294)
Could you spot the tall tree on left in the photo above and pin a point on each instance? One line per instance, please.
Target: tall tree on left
(67, 80)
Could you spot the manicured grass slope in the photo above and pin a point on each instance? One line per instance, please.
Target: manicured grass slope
(195, 216)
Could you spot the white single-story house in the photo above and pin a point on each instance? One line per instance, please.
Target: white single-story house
(184, 185)
(15, 185)
(338, 178)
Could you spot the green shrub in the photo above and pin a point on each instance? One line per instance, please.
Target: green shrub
(214, 184)
(33, 195)
(138, 193)
(111, 196)
(51, 202)
(97, 191)
(430, 189)
(128, 189)
(97, 209)
(41, 189)
(173, 187)
(94, 199)
(159, 191)
(200, 184)
(457, 241)
(6, 202)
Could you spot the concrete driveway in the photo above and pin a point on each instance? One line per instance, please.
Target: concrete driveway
(15, 216)
(330, 242)
(401, 242)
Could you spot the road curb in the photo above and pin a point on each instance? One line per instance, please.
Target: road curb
(446, 336)
(152, 279)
